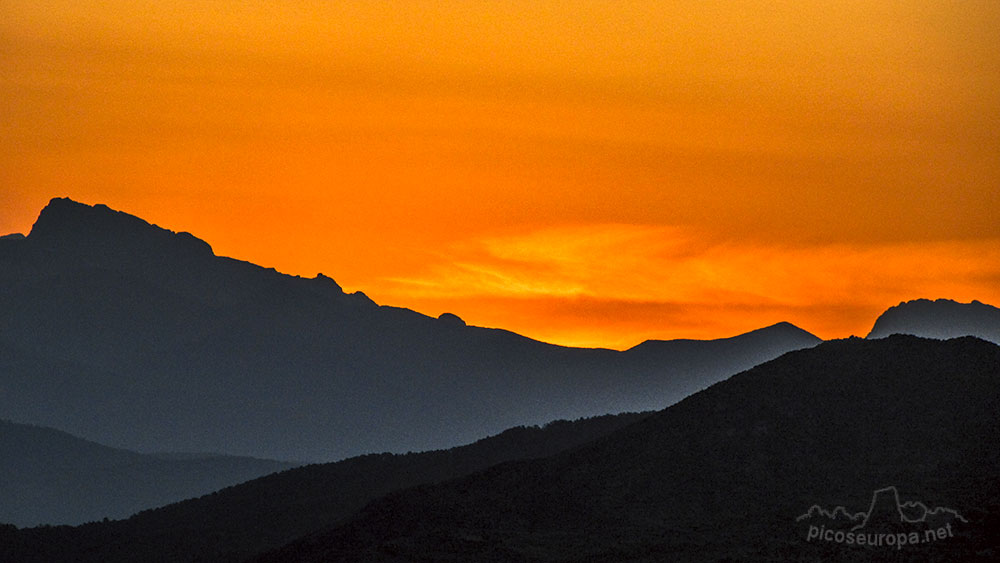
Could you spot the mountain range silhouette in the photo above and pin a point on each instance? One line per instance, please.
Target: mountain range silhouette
(138, 337)
(238, 522)
(51, 477)
(941, 318)
(721, 475)
(133, 335)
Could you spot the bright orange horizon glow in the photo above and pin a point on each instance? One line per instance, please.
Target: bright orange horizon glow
(584, 173)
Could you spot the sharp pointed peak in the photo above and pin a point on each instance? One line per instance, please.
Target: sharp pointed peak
(65, 222)
(63, 214)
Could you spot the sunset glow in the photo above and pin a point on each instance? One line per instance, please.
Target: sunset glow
(585, 173)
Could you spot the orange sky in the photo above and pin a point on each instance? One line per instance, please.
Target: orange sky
(592, 173)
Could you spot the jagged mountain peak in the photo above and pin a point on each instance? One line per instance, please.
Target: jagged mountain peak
(327, 281)
(235, 357)
(940, 318)
(65, 222)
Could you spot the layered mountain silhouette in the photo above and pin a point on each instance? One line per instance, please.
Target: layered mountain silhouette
(241, 521)
(51, 477)
(942, 318)
(723, 474)
(138, 337)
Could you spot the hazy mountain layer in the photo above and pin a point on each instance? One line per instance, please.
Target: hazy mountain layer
(139, 337)
(240, 521)
(724, 474)
(942, 318)
(51, 477)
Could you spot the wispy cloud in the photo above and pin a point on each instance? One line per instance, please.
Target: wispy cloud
(623, 283)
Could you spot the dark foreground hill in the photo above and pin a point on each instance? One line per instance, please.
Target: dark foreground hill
(51, 477)
(732, 474)
(243, 520)
(942, 318)
(138, 337)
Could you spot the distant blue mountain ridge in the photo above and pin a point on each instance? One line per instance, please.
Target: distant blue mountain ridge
(142, 338)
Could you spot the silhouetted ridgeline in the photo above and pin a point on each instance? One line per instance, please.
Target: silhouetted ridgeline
(724, 474)
(942, 318)
(138, 337)
(241, 521)
(51, 477)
